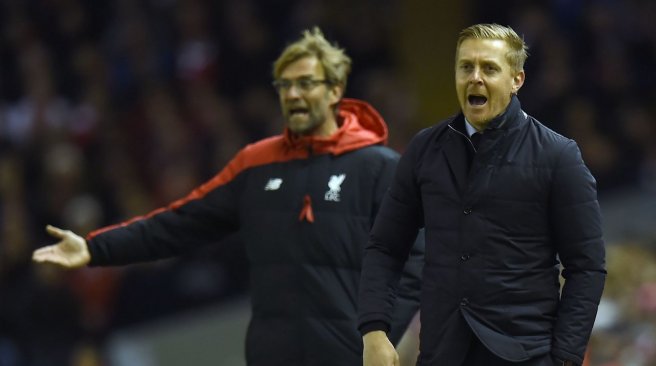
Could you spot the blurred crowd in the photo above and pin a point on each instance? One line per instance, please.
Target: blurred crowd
(110, 109)
(589, 76)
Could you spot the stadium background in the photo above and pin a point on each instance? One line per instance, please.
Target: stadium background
(109, 109)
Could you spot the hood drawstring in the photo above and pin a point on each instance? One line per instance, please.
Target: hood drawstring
(306, 212)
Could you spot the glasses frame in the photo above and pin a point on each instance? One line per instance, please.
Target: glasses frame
(303, 84)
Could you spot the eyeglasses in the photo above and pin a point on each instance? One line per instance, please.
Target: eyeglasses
(303, 84)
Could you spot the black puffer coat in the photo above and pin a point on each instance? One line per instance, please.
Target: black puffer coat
(494, 234)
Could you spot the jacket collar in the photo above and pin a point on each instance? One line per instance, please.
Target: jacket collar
(511, 117)
(458, 158)
(360, 125)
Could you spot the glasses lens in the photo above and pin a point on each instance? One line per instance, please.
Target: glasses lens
(282, 85)
(306, 84)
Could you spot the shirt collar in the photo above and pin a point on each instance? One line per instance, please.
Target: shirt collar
(470, 129)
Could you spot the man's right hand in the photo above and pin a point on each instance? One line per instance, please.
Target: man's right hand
(70, 252)
(378, 350)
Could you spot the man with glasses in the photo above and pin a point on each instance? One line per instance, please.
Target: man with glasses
(303, 203)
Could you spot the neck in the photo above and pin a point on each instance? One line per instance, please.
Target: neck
(480, 126)
(328, 128)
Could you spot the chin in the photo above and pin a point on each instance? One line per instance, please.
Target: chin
(297, 125)
(473, 118)
(297, 130)
(479, 117)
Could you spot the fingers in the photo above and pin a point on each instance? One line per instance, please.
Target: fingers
(47, 254)
(69, 252)
(51, 255)
(55, 231)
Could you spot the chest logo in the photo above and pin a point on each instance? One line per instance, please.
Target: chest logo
(334, 184)
(273, 184)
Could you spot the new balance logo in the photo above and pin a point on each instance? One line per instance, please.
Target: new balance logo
(273, 184)
(335, 187)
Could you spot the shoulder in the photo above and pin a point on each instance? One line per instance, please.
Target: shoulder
(273, 144)
(553, 145)
(427, 137)
(273, 149)
(371, 160)
(547, 135)
(434, 132)
(378, 152)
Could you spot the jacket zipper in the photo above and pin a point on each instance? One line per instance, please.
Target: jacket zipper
(466, 138)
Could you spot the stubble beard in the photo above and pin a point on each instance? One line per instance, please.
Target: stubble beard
(307, 126)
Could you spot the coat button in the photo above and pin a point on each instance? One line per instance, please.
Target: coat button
(465, 257)
(464, 301)
(467, 211)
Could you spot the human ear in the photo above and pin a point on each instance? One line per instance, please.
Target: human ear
(518, 81)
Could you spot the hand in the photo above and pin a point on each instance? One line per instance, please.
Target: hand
(70, 252)
(378, 350)
(558, 362)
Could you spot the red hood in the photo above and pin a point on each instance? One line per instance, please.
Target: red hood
(361, 125)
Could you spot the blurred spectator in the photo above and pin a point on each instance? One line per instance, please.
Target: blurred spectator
(625, 333)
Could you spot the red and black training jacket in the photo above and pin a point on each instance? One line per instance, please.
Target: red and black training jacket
(303, 208)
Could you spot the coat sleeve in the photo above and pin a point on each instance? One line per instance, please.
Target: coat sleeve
(576, 225)
(391, 273)
(208, 214)
(409, 290)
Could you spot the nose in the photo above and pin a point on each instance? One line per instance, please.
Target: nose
(475, 77)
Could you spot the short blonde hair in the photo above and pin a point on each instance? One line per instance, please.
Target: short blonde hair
(518, 49)
(336, 64)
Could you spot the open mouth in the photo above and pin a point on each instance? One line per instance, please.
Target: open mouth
(477, 100)
(298, 111)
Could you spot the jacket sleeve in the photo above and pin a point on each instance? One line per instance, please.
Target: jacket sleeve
(409, 290)
(391, 273)
(208, 214)
(576, 225)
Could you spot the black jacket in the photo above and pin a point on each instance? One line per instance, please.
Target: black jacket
(495, 229)
(303, 208)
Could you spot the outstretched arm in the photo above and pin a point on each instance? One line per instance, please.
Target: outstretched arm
(70, 251)
(204, 216)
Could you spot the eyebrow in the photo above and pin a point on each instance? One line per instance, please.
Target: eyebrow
(488, 62)
(483, 62)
